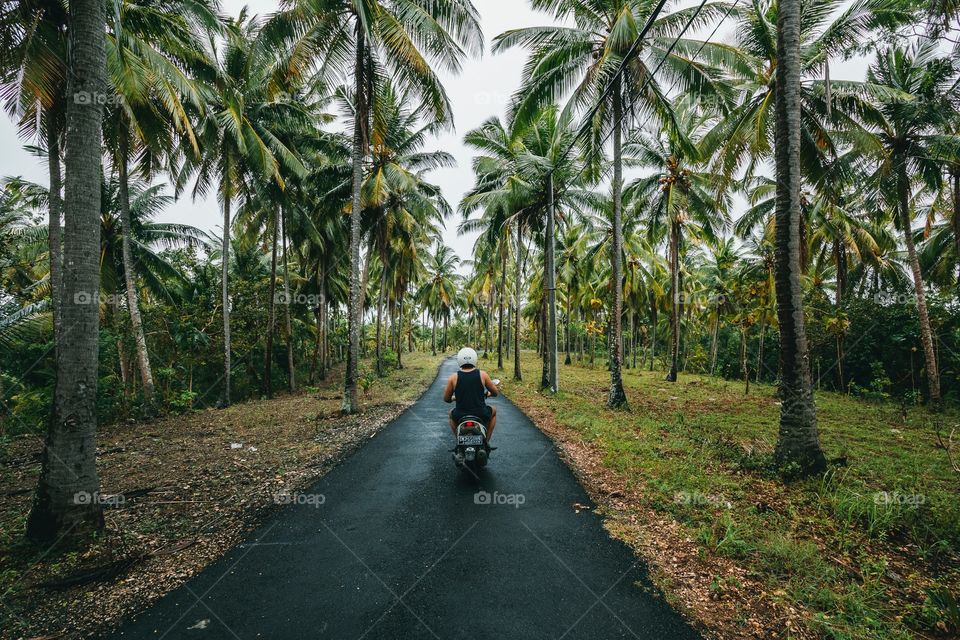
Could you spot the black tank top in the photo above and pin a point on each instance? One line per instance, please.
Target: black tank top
(470, 392)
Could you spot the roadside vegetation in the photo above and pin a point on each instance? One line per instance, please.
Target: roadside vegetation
(867, 550)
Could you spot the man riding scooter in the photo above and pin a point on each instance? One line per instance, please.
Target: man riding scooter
(469, 388)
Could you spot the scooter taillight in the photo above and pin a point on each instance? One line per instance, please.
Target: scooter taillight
(469, 424)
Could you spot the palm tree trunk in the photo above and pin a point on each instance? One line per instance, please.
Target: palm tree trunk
(743, 359)
(926, 333)
(653, 331)
(291, 367)
(324, 326)
(675, 295)
(378, 356)
(501, 294)
(225, 292)
(517, 375)
(713, 342)
(136, 323)
(551, 283)
(763, 333)
(400, 334)
(272, 316)
(798, 443)
(433, 337)
(65, 504)
(566, 339)
(956, 223)
(446, 324)
(617, 398)
(350, 401)
(55, 241)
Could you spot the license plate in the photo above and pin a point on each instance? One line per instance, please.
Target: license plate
(470, 440)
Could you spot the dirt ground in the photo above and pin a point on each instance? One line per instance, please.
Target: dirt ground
(178, 493)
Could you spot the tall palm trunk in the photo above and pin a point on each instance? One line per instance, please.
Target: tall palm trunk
(356, 299)
(225, 287)
(133, 304)
(956, 223)
(433, 337)
(675, 297)
(501, 294)
(55, 204)
(291, 368)
(713, 342)
(66, 501)
(272, 316)
(566, 339)
(617, 397)
(926, 334)
(798, 443)
(653, 330)
(763, 333)
(517, 375)
(324, 326)
(378, 355)
(550, 328)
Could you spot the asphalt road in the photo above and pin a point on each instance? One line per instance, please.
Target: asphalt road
(405, 546)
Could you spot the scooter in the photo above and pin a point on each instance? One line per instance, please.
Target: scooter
(472, 451)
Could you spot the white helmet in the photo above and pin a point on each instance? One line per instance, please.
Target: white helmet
(467, 356)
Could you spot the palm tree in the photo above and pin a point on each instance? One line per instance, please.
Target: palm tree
(798, 444)
(358, 42)
(244, 106)
(587, 57)
(908, 129)
(399, 205)
(679, 194)
(147, 49)
(33, 45)
(65, 503)
(439, 292)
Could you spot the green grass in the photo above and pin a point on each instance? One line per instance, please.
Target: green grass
(869, 549)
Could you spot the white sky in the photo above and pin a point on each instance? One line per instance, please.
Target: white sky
(483, 89)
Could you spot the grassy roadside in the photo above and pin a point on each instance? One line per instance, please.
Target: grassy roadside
(870, 550)
(178, 493)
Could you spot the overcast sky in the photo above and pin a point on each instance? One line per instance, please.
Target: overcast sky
(482, 90)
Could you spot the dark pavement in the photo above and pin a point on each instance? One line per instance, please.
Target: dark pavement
(404, 546)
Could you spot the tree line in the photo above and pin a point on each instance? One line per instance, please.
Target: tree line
(604, 203)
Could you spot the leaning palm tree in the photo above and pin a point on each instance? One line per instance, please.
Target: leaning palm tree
(587, 58)
(245, 108)
(909, 130)
(148, 48)
(798, 445)
(356, 43)
(68, 467)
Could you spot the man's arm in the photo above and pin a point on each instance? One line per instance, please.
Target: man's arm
(448, 390)
(488, 383)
